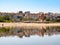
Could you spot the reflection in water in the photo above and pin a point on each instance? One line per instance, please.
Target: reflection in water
(20, 32)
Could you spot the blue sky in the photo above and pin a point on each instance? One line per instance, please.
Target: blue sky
(30, 5)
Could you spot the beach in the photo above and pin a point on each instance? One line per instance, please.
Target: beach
(20, 24)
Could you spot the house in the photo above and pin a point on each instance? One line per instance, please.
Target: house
(57, 15)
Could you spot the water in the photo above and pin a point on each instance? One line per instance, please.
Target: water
(20, 36)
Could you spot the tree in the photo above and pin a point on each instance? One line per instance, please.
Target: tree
(1, 19)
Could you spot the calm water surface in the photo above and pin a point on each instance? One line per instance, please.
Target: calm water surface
(20, 36)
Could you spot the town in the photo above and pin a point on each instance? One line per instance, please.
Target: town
(29, 17)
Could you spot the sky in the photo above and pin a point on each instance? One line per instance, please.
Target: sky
(30, 5)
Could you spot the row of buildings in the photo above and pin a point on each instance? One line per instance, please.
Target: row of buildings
(41, 15)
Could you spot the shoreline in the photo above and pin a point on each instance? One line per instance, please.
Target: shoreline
(20, 24)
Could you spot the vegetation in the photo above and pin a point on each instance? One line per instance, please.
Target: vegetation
(1, 19)
(5, 19)
(57, 20)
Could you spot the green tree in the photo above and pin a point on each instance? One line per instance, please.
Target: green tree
(1, 19)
